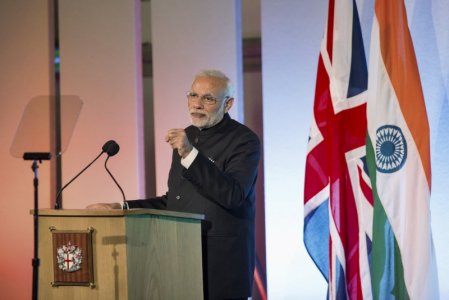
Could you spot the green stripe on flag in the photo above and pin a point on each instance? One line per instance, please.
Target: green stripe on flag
(380, 254)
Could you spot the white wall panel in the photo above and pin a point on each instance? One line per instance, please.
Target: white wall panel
(291, 36)
(24, 74)
(188, 38)
(100, 45)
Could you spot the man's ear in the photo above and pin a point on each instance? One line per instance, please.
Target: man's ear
(228, 104)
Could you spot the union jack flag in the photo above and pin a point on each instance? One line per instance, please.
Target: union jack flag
(338, 202)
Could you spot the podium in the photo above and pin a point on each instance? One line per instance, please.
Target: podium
(120, 254)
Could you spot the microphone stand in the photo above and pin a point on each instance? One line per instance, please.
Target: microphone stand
(110, 147)
(35, 157)
(58, 202)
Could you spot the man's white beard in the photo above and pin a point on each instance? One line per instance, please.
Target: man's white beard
(208, 121)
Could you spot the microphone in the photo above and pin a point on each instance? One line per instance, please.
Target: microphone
(110, 147)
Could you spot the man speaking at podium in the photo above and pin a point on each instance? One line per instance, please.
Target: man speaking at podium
(213, 172)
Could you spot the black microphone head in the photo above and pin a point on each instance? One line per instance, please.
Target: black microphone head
(111, 148)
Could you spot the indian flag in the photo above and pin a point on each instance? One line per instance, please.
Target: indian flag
(403, 261)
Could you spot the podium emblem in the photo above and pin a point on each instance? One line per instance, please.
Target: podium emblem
(72, 257)
(69, 257)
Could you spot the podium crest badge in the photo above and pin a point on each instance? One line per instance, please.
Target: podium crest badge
(72, 257)
(69, 257)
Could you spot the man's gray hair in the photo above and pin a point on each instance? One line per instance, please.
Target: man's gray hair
(220, 75)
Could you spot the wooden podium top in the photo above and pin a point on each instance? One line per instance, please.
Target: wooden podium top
(115, 213)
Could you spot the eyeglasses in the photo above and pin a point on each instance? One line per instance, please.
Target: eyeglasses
(206, 99)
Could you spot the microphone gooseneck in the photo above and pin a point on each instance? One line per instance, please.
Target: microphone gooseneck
(110, 174)
(110, 147)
